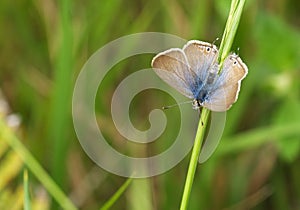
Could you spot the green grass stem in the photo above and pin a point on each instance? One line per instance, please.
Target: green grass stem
(194, 158)
(257, 137)
(7, 135)
(26, 191)
(226, 43)
(117, 195)
(58, 133)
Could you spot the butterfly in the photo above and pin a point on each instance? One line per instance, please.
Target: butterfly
(194, 72)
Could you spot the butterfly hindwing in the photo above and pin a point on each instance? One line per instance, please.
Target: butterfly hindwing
(227, 86)
(233, 70)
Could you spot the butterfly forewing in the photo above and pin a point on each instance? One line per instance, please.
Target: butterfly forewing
(201, 57)
(172, 67)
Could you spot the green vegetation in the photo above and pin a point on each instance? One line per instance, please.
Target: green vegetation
(44, 44)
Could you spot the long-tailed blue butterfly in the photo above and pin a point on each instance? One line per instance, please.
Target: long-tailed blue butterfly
(193, 71)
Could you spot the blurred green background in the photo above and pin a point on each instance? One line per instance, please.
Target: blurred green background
(43, 46)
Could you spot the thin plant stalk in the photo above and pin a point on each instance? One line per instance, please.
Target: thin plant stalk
(194, 158)
(26, 191)
(225, 46)
(33, 165)
(117, 195)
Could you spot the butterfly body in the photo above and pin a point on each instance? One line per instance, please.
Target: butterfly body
(194, 72)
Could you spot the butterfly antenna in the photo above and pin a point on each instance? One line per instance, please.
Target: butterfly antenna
(238, 51)
(168, 107)
(215, 40)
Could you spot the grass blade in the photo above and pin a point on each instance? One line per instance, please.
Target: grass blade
(7, 135)
(117, 195)
(227, 40)
(26, 191)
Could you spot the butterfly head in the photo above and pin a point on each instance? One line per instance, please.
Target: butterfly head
(196, 104)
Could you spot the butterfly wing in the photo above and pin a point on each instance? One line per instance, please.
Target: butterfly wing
(227, 86)
(172, 67)
(202, 57)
